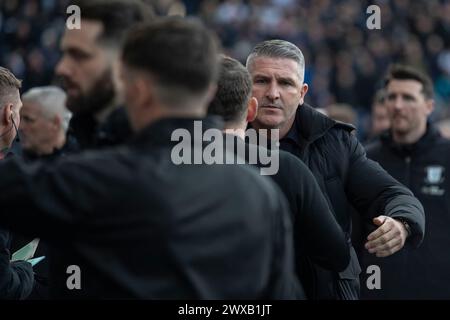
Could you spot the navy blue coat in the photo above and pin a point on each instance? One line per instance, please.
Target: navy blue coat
(424, 167)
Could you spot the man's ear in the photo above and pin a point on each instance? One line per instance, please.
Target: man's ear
(141, 91)
(252, 109)
(57, 122)
(7, 113)
(304, 90)
(430, 106)
(211, 93)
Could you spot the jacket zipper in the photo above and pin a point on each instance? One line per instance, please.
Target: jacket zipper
(408, 171)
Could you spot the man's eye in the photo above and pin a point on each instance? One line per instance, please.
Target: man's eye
(77, 55)
(27, 119)
(261, 81)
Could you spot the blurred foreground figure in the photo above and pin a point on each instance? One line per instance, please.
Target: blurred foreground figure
(129, 222)
(88, 68)
(16, 278)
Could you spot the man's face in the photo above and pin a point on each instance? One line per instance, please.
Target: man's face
(279, 90)
(86, 69)
(36, 130)
(407, 106)
(380, 119)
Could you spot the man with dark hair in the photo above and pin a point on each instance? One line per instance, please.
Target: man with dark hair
(16, 278)
(233, 99)
(129, 222)
(337, 160)
(318, 237)
(416, 154)
(88, 68)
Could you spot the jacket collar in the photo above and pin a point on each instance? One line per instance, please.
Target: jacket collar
(426, 141)
(160, 132)
(71, 146)
(309, 125)
(89, 132)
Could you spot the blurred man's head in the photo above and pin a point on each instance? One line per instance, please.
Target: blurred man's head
(44, 120)
(277, 69)
(409, 100)
(342, 112)
(10, 105)
(444, 127)
(380, 120)
(90, 53)
(233, 100)
(175, 79)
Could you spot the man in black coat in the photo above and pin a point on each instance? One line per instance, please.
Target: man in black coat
(336, 159)
(318, 237)
(88, 68)
(16, 278)
(130, 222)
(415, 153)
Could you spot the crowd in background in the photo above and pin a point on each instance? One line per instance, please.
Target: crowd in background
(345, 60)
(345, 66)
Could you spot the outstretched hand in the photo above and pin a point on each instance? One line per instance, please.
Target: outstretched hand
(388, 238)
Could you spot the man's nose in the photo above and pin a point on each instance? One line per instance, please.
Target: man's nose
(63, 67)
(398, 103)
(273, 93)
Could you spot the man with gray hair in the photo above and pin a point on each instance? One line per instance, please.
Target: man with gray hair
(44, 122)
(338, 162)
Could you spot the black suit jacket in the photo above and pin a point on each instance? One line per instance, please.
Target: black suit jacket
(318, 238)
(139, 226)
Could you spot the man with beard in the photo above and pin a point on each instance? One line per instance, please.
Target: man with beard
(416, 154)
(87, 68)
(128, 222)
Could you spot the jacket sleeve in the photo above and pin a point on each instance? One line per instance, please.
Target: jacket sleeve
(284, 284)
(375, 192)
(324, 240)
(51, 201)
(16, 278)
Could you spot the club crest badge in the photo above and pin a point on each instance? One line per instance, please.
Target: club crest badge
(434, 174)
(433, 178)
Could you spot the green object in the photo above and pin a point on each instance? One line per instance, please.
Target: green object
(35, 261)
(26, 252)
